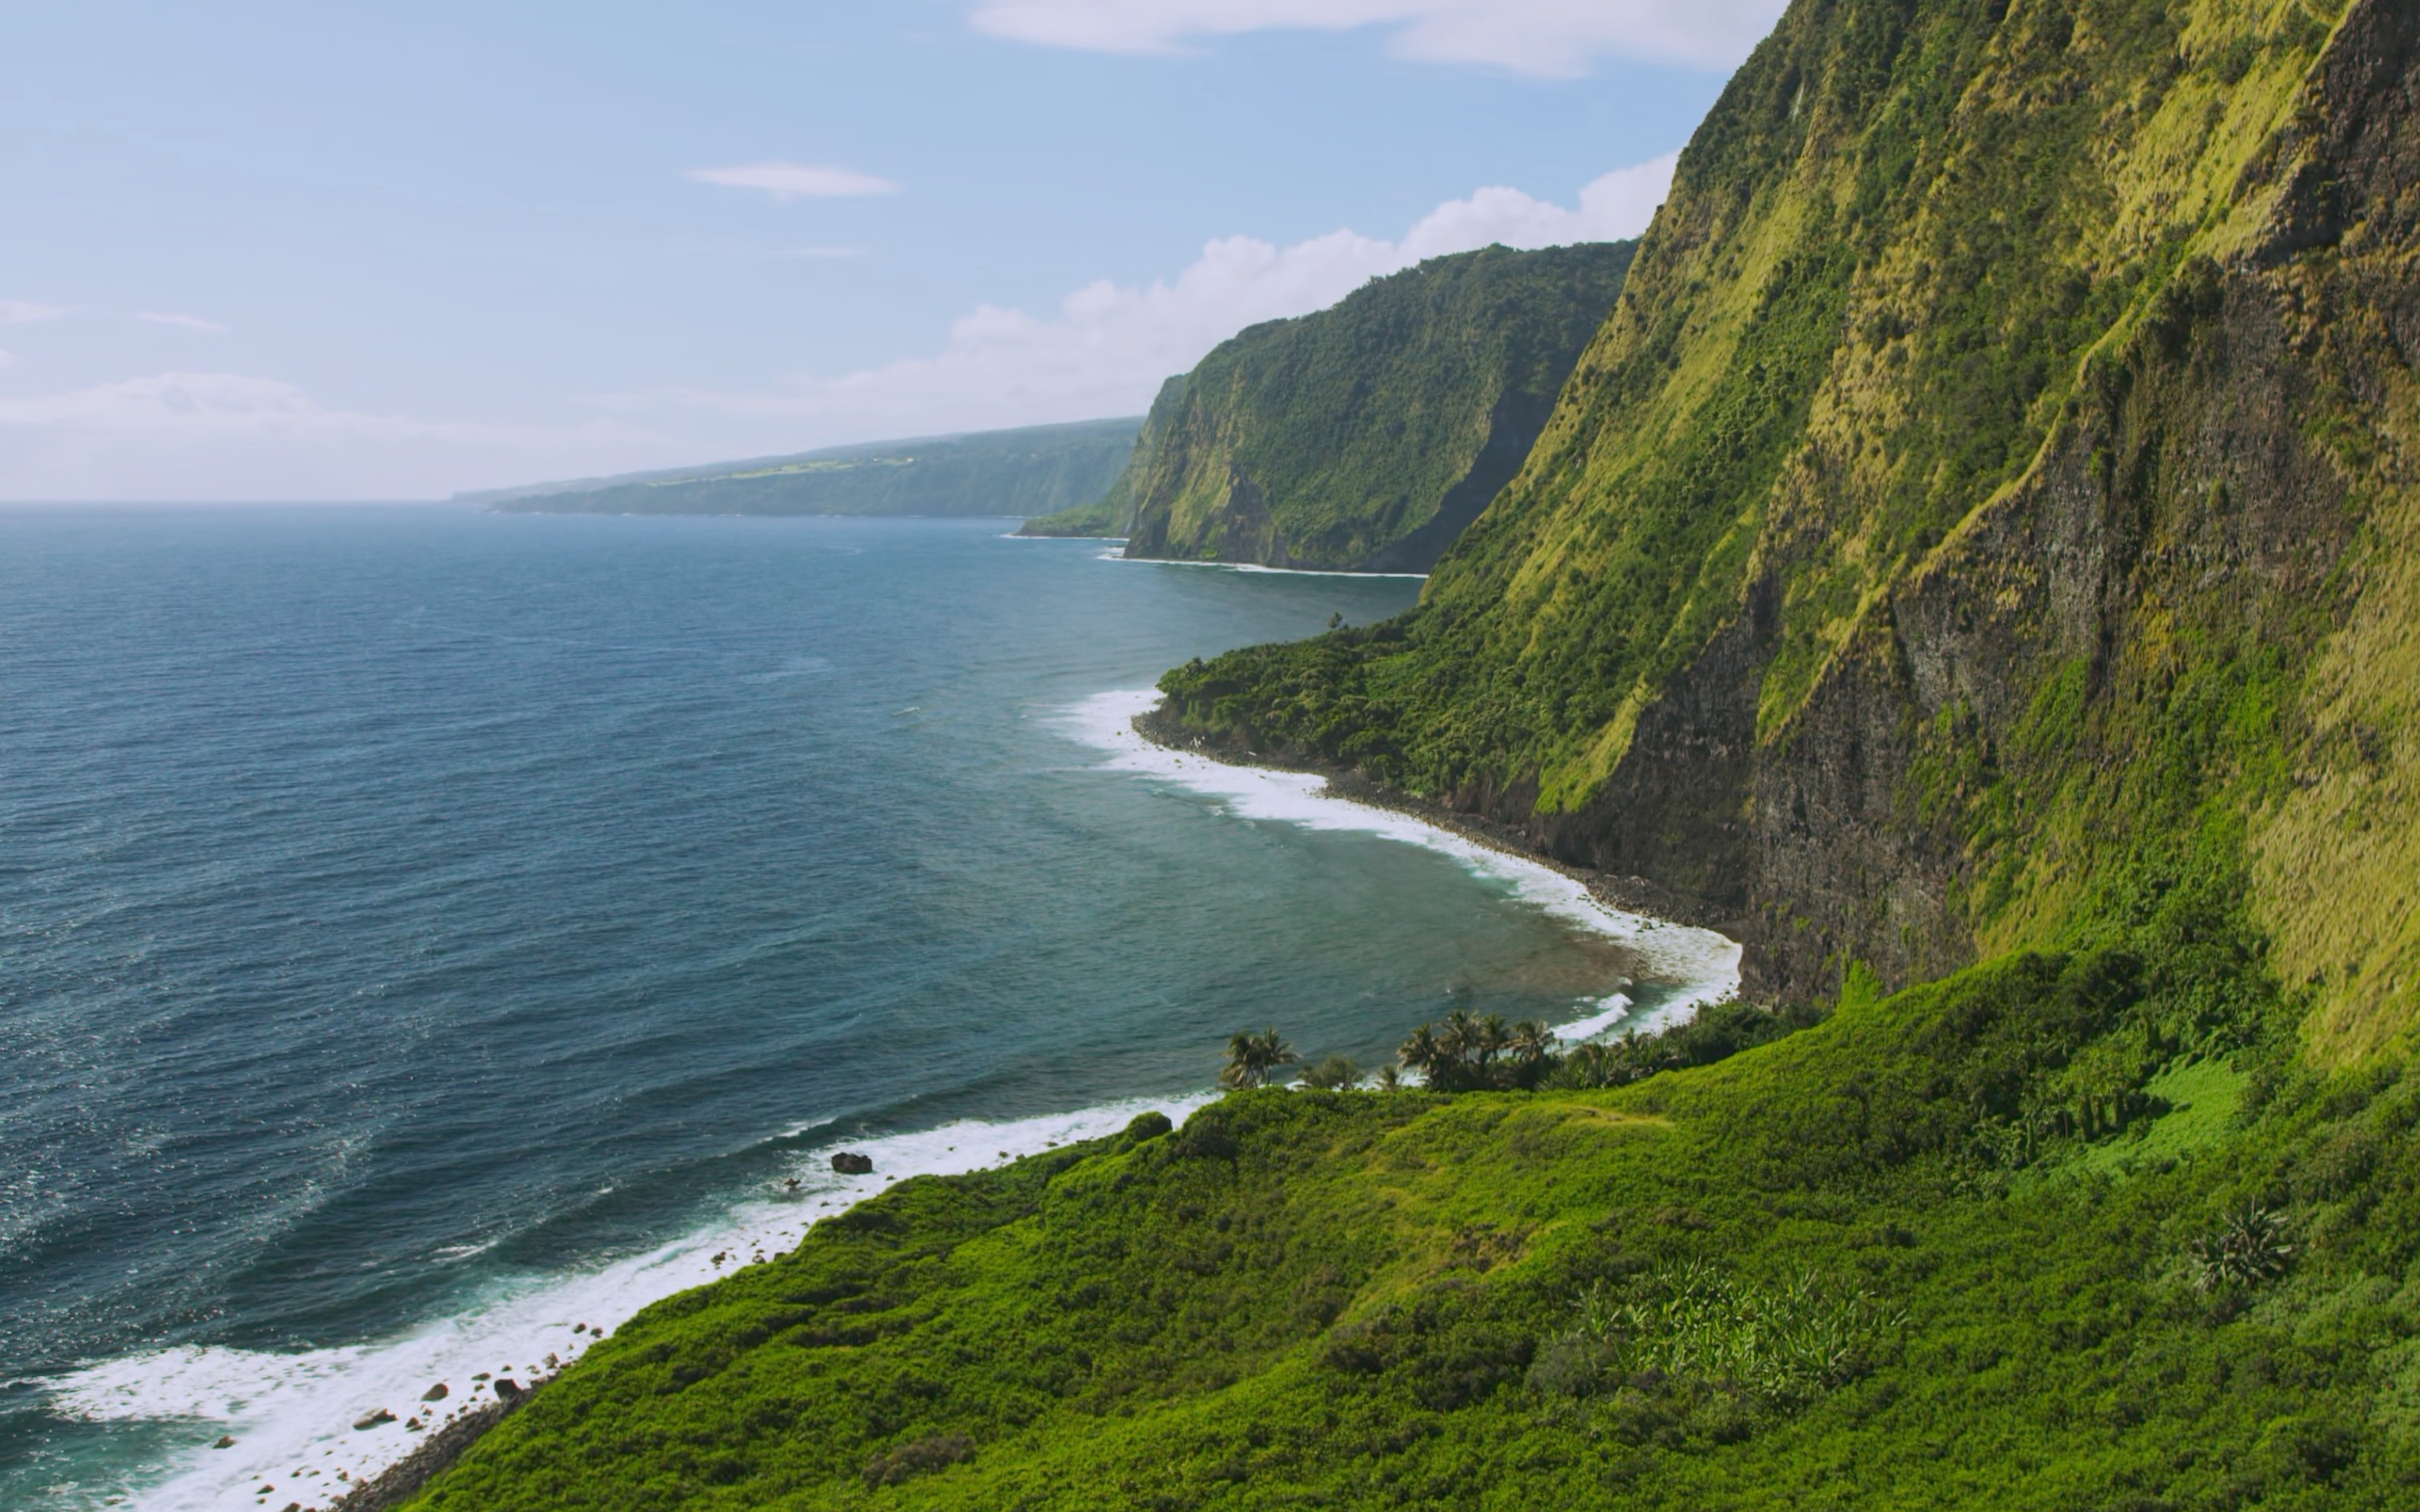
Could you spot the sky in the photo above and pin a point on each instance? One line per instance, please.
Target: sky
(333, 249)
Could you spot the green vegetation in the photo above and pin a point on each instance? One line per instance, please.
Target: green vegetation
(1098, 519)
(1921, 529)
(1253, 1058)
(1368, 435)
(1114, 513)
(1904, 1254)
(1032, 471)
(1983, 536)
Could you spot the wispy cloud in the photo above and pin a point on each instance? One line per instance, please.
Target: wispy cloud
(1559, 38)
(24, 312)
(795, 181)
(183, 322)
(1108, 347)
(156, 437)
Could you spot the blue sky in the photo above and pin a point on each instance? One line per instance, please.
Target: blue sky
(349, 250)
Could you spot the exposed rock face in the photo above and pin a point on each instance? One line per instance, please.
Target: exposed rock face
(1998, 457)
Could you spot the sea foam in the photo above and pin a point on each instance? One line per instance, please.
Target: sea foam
(291, 1412)
(1694, 967)
(295, 1412)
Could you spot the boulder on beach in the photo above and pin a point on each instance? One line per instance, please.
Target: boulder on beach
(507, 1389)
(382, 1415)
(849, 1162)
(435, 1393)
(225, 1442)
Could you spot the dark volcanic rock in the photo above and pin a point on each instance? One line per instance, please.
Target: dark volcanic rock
(848, 1162)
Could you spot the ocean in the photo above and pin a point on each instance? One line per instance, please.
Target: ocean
(423, 931)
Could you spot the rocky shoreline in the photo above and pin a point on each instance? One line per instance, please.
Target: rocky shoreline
(1629, 895)
(401, 1481)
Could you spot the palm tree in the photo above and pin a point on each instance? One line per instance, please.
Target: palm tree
(1388, 1078)
(1532, 1046)
(1423, 1053)
(1252, 1057)
(1488, 1040)
(1456, 1035)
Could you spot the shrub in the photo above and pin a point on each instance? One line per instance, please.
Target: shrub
(2248, 1249)
(909, 1460)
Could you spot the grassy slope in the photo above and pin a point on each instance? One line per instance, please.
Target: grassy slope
(1311, 1298)
(1321, 441)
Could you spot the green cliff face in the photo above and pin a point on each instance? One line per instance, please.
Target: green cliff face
(1983, 548)
(1021, 471)
(1365, 437)
(1114, 513)
(1996, 466)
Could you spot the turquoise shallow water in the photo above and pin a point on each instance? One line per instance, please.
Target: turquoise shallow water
(403, 908)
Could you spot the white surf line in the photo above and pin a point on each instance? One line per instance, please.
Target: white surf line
(290, 1413)
(1703, 966)
(1241, 567)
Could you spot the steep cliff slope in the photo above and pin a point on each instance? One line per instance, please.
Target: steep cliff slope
(1996, 471)
(1986, 524)
(1114, 513)
(1026, 470)
(1368, 435)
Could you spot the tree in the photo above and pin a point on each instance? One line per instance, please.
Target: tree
(1454, 1037)
(1488, 1038)
(1423, 1053)
(1337, 1073)
(1252, 1057)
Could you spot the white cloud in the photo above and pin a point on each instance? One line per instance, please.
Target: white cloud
(1557, 38)
(185, 323)
(20, 312)
(224, 436)
(1105, 349)
(792, 180)
(1108, 348)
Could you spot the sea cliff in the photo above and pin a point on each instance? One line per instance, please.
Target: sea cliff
(1979, 551)
(1363, 437)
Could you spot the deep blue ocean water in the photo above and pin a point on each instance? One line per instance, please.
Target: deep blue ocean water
(400, 907)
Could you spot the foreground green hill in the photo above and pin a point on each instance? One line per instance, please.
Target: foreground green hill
(1030, 471)
(1982, 544)
(1931, 1251)
(1368, 435)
